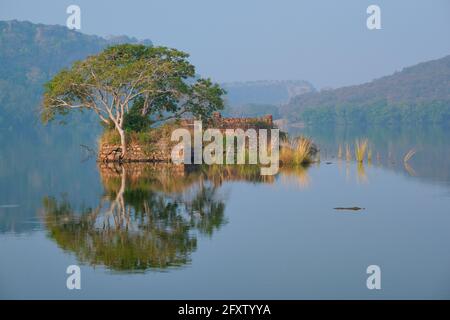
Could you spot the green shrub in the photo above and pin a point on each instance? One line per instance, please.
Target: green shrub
(134, 120)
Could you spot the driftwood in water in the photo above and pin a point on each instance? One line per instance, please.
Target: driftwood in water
(349, 208)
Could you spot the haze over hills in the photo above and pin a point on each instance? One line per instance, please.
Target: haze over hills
(30, 54)
(265, 91)
(417, 94)
(257, 98)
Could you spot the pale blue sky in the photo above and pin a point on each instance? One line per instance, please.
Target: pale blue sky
(325, 42)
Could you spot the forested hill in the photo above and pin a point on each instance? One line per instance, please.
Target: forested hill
(30, 54)
(420, 93)
(258, 98)
(264, 92)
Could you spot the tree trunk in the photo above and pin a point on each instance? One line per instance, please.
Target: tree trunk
(123, 142)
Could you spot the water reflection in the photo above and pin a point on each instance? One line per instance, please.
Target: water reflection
(298, 175)
(389, 146)
(149, 218)
(361, 173)
(154, 218)
(150, 215)
(409, 169)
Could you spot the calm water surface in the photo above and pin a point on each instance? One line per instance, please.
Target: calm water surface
(154, 232)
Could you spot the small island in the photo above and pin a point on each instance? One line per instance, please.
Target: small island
(154, 144)
(141, 94)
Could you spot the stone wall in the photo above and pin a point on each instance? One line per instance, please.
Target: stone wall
(135, 153)
(218, 122)
(161, 150)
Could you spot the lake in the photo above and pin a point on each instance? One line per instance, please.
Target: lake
(159, 232)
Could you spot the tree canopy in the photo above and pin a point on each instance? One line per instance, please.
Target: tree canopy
(159, 81)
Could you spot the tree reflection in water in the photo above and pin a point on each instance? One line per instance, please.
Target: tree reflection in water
(149, 218)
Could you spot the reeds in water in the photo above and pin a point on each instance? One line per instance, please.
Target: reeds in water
(406, 158)
(360, 149)
(409, 155)
(348, 154)
(369, 155)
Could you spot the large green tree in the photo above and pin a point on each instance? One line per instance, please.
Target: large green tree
(161, 81)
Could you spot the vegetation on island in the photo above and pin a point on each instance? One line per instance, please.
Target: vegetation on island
(132, 87)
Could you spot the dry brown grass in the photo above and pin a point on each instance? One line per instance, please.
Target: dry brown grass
(296, 152)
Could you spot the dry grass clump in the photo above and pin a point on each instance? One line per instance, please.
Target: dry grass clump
(297, 152)
(109, 136)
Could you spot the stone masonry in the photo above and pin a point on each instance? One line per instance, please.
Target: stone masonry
(161, 151)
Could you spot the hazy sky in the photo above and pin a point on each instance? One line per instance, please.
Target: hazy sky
(324, 42)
